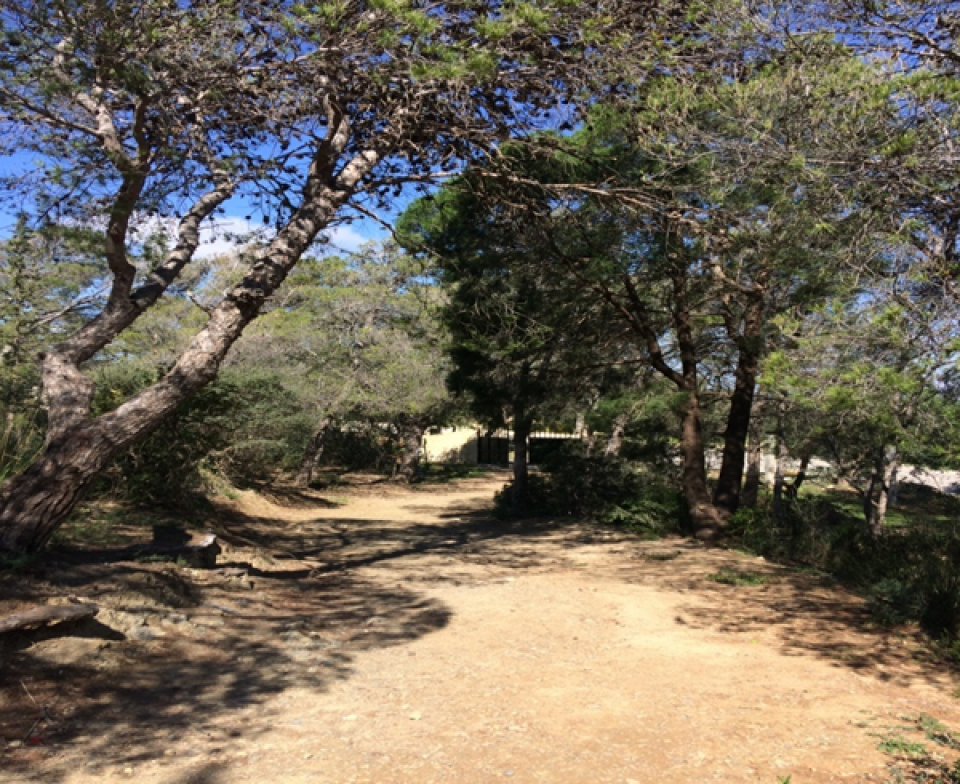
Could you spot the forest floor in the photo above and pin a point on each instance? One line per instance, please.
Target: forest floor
(387, 634)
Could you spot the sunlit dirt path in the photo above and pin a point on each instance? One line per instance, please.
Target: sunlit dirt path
(391, 635)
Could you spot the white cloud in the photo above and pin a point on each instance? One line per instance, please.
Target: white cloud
(345, 238)
(229, 233)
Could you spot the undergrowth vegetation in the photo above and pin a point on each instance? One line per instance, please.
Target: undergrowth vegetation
(910, 573)
(607, 490)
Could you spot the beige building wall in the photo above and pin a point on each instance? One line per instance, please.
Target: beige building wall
(451, 445)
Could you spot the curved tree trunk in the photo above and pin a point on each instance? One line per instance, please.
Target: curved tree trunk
(78, 448)
(37, 501)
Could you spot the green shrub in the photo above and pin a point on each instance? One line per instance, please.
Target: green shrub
(242, 427)
(607, 490)
(911, 574)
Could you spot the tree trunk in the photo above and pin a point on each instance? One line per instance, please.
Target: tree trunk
(868, 503)
(580, 427)
(411, 434)
(38, 500)
(615, 442)
(522, 425)
(35, 503)
(312, 454)
(707, 521)
(726, 495)
(793, 489)
(894, 491)
(751, 484)
(780, 456)
(877, 498)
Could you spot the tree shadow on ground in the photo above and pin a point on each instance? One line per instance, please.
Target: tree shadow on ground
(290, 497)
(83, 700)
(335, 545)
(228, 650)
(800, 611)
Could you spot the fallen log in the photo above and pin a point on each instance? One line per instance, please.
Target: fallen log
(47, 614)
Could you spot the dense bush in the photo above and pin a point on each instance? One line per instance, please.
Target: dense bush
(242, 427)
(361, 446)
(607, 490)
(908, 574)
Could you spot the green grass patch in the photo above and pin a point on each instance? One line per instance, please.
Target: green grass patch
(737, 577)
(937, 731)
(896, 744)
(917, 506)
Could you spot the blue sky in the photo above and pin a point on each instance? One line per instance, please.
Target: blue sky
(219, 236)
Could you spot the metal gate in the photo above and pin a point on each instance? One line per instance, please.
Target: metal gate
(493, 450)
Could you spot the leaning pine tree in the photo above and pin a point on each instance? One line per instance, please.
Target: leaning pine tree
(174, 107)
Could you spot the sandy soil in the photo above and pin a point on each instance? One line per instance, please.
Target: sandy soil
(393, 635)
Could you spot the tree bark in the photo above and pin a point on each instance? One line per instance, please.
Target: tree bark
(411, 434)
(726, 495)
(780, 456)
(751, 484)
(78, 448)
(894, 491)
(708, 521)
(615, 442)
(793, 489)
(312, 454)
(522, 426)
(580, 427)
(877, 498)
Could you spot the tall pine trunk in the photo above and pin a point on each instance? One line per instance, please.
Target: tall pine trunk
(708, 521)
(726, 496)
(708, 524)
